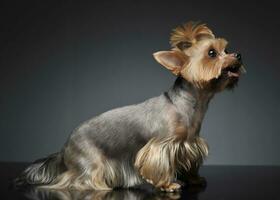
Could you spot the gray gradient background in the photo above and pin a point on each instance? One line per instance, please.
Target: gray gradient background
(63, 62)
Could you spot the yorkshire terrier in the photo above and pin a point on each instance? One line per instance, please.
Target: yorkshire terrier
(153, 141)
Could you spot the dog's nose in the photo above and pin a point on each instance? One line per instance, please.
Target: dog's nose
(238, 56)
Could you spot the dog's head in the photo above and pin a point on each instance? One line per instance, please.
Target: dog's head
(201, 58)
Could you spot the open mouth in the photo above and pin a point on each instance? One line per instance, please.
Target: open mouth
(232, 71)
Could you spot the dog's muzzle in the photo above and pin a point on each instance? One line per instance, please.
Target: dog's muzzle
(232, 71)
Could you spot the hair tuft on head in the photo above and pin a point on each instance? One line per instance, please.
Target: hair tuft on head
(188, 34)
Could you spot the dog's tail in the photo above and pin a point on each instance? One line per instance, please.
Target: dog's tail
(42, 171)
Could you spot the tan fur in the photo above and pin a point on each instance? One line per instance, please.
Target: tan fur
(181, 131)
(190, 33)
(161, 158)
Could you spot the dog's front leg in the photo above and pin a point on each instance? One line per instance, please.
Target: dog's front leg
(156, 162)
(190, 175)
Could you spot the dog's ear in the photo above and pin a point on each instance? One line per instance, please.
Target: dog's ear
(172, 60)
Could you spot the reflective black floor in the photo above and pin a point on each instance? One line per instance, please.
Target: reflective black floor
(223, 183)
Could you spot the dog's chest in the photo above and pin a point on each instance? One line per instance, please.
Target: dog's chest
(189, 118)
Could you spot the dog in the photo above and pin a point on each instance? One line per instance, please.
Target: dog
(153, 141)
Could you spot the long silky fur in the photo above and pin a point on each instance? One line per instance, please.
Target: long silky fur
(108, 175)
(161, 158)
(42, 171)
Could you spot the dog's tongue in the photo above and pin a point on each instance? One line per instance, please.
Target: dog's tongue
(232, 74)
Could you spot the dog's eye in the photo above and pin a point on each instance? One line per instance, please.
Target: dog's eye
(226, 51)
(212, 53)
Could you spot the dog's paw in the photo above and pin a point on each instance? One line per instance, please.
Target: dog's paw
(172, 187)
(149, 181)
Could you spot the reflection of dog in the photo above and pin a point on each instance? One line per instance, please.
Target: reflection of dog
(153, 140)
(120, 194)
